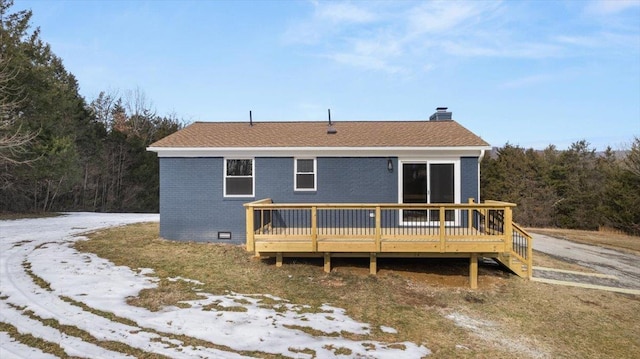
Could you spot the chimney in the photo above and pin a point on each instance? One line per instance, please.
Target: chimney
(441, 114)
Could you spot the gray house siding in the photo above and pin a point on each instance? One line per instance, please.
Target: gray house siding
(193, 206)
(340, 180)
(469, 179)
(469, 182)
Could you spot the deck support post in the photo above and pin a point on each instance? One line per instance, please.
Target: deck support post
(443, 233)
(529, 257)
(314, 228)
(470, 214)
(473, 271)
(378, 228)
(508, 229)
(279, 259)
(249, 228)
(327, 262)
(373, 263)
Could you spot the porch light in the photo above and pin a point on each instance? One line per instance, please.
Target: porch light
(389, 165)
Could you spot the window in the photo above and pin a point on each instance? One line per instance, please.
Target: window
(238, 178)
(305, 174)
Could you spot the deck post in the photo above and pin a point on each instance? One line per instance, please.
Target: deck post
(279, 259)
(508, 229)
(473, 271)
(485, 213)
(327, 262)
(250, 239)
(470, 214)
(378, 229)
(261, 221)
(373, 263)
(529, 257)
(314, 228)
(442, 230)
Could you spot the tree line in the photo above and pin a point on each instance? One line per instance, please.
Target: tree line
(576, 188)
(60, 153)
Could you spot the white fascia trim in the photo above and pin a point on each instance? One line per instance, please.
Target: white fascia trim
(318, 151)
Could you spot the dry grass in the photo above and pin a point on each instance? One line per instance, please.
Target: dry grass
(7, 216)
(604, 239)
(506, 317)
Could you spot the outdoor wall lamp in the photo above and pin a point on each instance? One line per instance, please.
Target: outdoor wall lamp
(389, 165)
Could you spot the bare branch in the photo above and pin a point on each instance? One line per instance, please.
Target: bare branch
(13, 138)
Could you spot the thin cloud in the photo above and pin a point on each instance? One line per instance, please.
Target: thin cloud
(328, 19)
(527, 81)
(609, 7)
(440, 16)
(365, 62)
(608, 39)
(401, 37)
(343, 13)
(508, 50)
(586, 41)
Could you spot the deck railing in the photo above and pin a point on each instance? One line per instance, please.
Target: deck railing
(444, 224)
(389, 229)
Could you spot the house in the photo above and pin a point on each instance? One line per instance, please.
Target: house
(214, 178)
(208, 170)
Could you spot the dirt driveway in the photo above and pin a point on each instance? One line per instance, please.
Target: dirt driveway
(621, 269)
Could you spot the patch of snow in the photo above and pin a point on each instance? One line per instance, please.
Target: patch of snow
(175, 279)
(146, 271)
(237, 321)
(71, 345)
(11, 349)
(388, 330)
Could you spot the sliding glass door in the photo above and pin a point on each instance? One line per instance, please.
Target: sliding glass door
(425, 182)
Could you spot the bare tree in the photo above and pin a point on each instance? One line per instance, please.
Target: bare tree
(13, 139)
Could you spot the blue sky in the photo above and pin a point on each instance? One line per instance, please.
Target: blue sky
(531, 73)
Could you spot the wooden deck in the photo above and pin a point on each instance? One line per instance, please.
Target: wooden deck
(389, 230)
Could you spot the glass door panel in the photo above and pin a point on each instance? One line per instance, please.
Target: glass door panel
(441, 188)
(414, 190)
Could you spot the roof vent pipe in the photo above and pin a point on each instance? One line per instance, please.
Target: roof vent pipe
(250, 119)
(331, 130)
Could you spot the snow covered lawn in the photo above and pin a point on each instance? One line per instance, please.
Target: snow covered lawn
(43, 280)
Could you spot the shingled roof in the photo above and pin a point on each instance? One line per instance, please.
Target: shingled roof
(314, 134)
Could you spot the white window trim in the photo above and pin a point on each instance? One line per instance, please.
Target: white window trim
(253, 178)
(295, 174)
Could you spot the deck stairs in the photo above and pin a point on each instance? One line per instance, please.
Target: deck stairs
(514, 264)
(515, 259)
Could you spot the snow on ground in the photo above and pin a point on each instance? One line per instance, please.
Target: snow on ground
(10, 349)
(82, 282)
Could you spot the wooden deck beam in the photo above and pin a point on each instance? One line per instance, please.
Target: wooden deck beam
(373, 263)
(473, 271)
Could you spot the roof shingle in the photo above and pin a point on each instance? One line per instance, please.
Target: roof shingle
(314, 134)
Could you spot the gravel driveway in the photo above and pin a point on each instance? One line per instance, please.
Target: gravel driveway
(625, 267)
